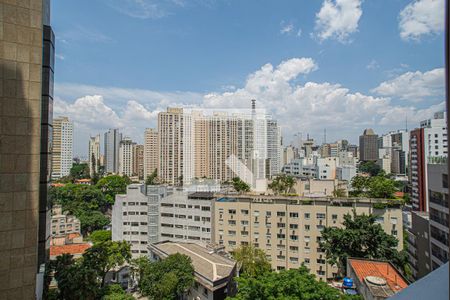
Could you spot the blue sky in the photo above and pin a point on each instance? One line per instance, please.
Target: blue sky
(348, 64)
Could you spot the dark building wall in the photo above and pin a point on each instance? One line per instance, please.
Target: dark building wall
(368, 147)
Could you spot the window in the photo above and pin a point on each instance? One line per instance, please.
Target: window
(293, 215)
(294, 237)
(232, 232)
(293, 248)
(232, 243)
(206, 208)
(293, 226)
(281, 214)
(232, 222)
(196, 218)
(445, 181)
(307, 216)
(244, 223)
(281, 236)
(281, 225)
(334, 217)
(307, 227)
(232, 211)
(320, 216)
(244, 211)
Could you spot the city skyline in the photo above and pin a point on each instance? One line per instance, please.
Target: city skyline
(308, 72)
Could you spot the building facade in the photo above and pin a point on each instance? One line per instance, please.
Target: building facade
(438, 211)
(418, 244)
(151, 151)
(427, 144)
(94, 155)
(368, 146)
(112, 143)
(288, 229)
(63, 224)
(27, 62)
(126, 155)
(62, 151)
(135, 216)
(138, 161)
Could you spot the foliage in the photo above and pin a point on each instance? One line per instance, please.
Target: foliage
(105, 256)
(84, 278)
(339, 193)
(251, 260)
(288, 285)
(239, 185)
(152, 179)
(282, 184)
(113, 185)
(115, 292)
(86, 202)
(165, 279)
(381, 187)
(100, 236)
(360, 237)
(369, 167)
(79, 171)
(375, 187)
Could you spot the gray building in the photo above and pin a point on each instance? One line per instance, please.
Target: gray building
(418, 244)
(135, 216)
(368, 146)
(438, 209)
(112, 141)
(26, 65)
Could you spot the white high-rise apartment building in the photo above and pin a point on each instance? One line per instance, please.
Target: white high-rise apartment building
(126, 148)
(62, 155)
(94, 155)
(274, 147)
(112, 141)
(135, 216)
(151, 151)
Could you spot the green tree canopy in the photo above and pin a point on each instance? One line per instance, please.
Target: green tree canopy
(282, 184)
(251, 260)
(165, 279)
(79, 171)
(115, 292)
(152, 179)
(287, 285)
(239, 185)
(84, 278)
(100, 236)
(113, 185)
(360, 237)
(376, 186)
(369, 167)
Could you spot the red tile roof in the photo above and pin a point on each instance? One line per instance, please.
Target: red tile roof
(399, 194)
(69, 249)
(56, 184)
(364, 268)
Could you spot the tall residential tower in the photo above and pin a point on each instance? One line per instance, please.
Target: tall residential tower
(62, 151)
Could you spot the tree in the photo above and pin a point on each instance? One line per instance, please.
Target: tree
(381, 187)
(286, 284)
(282, 184)
(79, 171)
(165, 279)
(152, 179)
(113, 185)
(84, 278)
(369, 167)
(100, 236)
(251, 260)
(239, 185)
(360, 237)
(339, 193)
(105, 256)
(91, 220)
(116, 292)
(360, 184)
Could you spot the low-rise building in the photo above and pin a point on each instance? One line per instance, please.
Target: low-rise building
(213, 272)
(63, 224)
(289, 229)
(418, 244)
(375, 280)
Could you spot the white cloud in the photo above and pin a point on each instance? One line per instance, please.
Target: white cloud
(414, 86)
(422, 17)
(373, 65)
(298, 104)
(286, 28)
(337, 19)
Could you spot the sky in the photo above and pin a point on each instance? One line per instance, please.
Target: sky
(339, 65)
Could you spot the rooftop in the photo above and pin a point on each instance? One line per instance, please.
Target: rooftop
(201, 195)
(368, 270)
(209, 265)
(69, 249)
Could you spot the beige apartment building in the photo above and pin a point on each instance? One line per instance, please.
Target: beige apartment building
(62, 151)
(138, 161)
(151, 154)
(288, 229)
(171, 134)
(63, 224)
